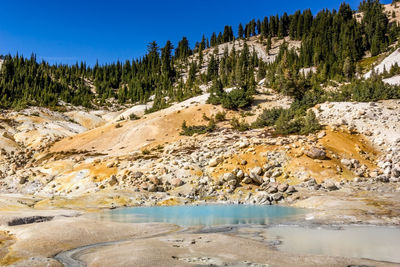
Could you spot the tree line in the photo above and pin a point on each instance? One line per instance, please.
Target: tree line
(332, 41)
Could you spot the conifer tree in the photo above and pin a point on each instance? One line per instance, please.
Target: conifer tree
(240, 31)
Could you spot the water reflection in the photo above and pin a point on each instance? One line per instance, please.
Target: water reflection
(204, 215)
(378, 243)
(372, 242)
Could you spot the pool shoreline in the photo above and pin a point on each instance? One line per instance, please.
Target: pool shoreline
(77, 229)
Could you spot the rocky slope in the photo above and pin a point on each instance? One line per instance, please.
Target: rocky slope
(63, 162)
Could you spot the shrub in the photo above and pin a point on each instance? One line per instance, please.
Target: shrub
(286, 124)
(311, 124)
(239, 125)
(133, 117)
(246, 114)
(267, 118)
(197, 129)
(214, 99)
(220, 116)
(369, 90)
(237, 98)
(205, 117)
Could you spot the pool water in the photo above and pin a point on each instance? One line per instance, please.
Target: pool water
(208, 215)
(271, 223)
(370, 242)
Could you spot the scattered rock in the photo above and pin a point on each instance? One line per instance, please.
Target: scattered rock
(152, 188)
(23, 180)
(283, 187)
(291, 189)
(329, 185)
(228, 176)
(177, 182)
(347, 163)
(316, 153)
(277, 196)
(321, 135)
(257, 170)
(243, 144)
(154, 180)
(137, 175)
(247, 180)
(272, 189)
(112, 180)
(214, 162)
(240, 174)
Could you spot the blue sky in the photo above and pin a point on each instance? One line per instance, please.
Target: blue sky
(61, 31)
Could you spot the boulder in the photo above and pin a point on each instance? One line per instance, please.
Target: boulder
(228, 176)
(257, 170)
(152, 188)
(232, 182)
(154, 180)
(310, 182)
(330, 186)
(23, 180)
(291, 189)
(255, 175)
(276, 173)
(144, 186)
(261, 198)
(257, 179)
(247, 180)
(137, 175)
(277, 196)
(110, 165)
(316, 153)
(321, 134)
(214, 162)
(283, 187)
(112, 180)
(383, 179)
(396, 171)
(347, 163)
(177, 182)
(272, 189)
(243, 144)
(240, 174)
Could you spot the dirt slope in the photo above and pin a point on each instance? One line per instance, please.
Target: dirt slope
(120, 138)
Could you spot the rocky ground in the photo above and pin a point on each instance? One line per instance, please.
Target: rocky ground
(358, 151)
(100, 243)
(349, 172)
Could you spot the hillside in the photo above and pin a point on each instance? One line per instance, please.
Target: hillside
(127, 147)
(297, 110)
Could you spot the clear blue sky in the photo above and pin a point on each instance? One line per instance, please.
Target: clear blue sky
(66, 31)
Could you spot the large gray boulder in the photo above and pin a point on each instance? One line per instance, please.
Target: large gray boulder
(316, 153)
(214, 162)
(228, 176)
(112, 180)
(330, 186)
(283, 187)
(137, 175)
(256, 175)
(177, 182)
(347, 163)
(396, 171)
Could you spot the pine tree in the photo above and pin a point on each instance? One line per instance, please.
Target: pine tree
(269, 44)
(240, 31)
(214, 41)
